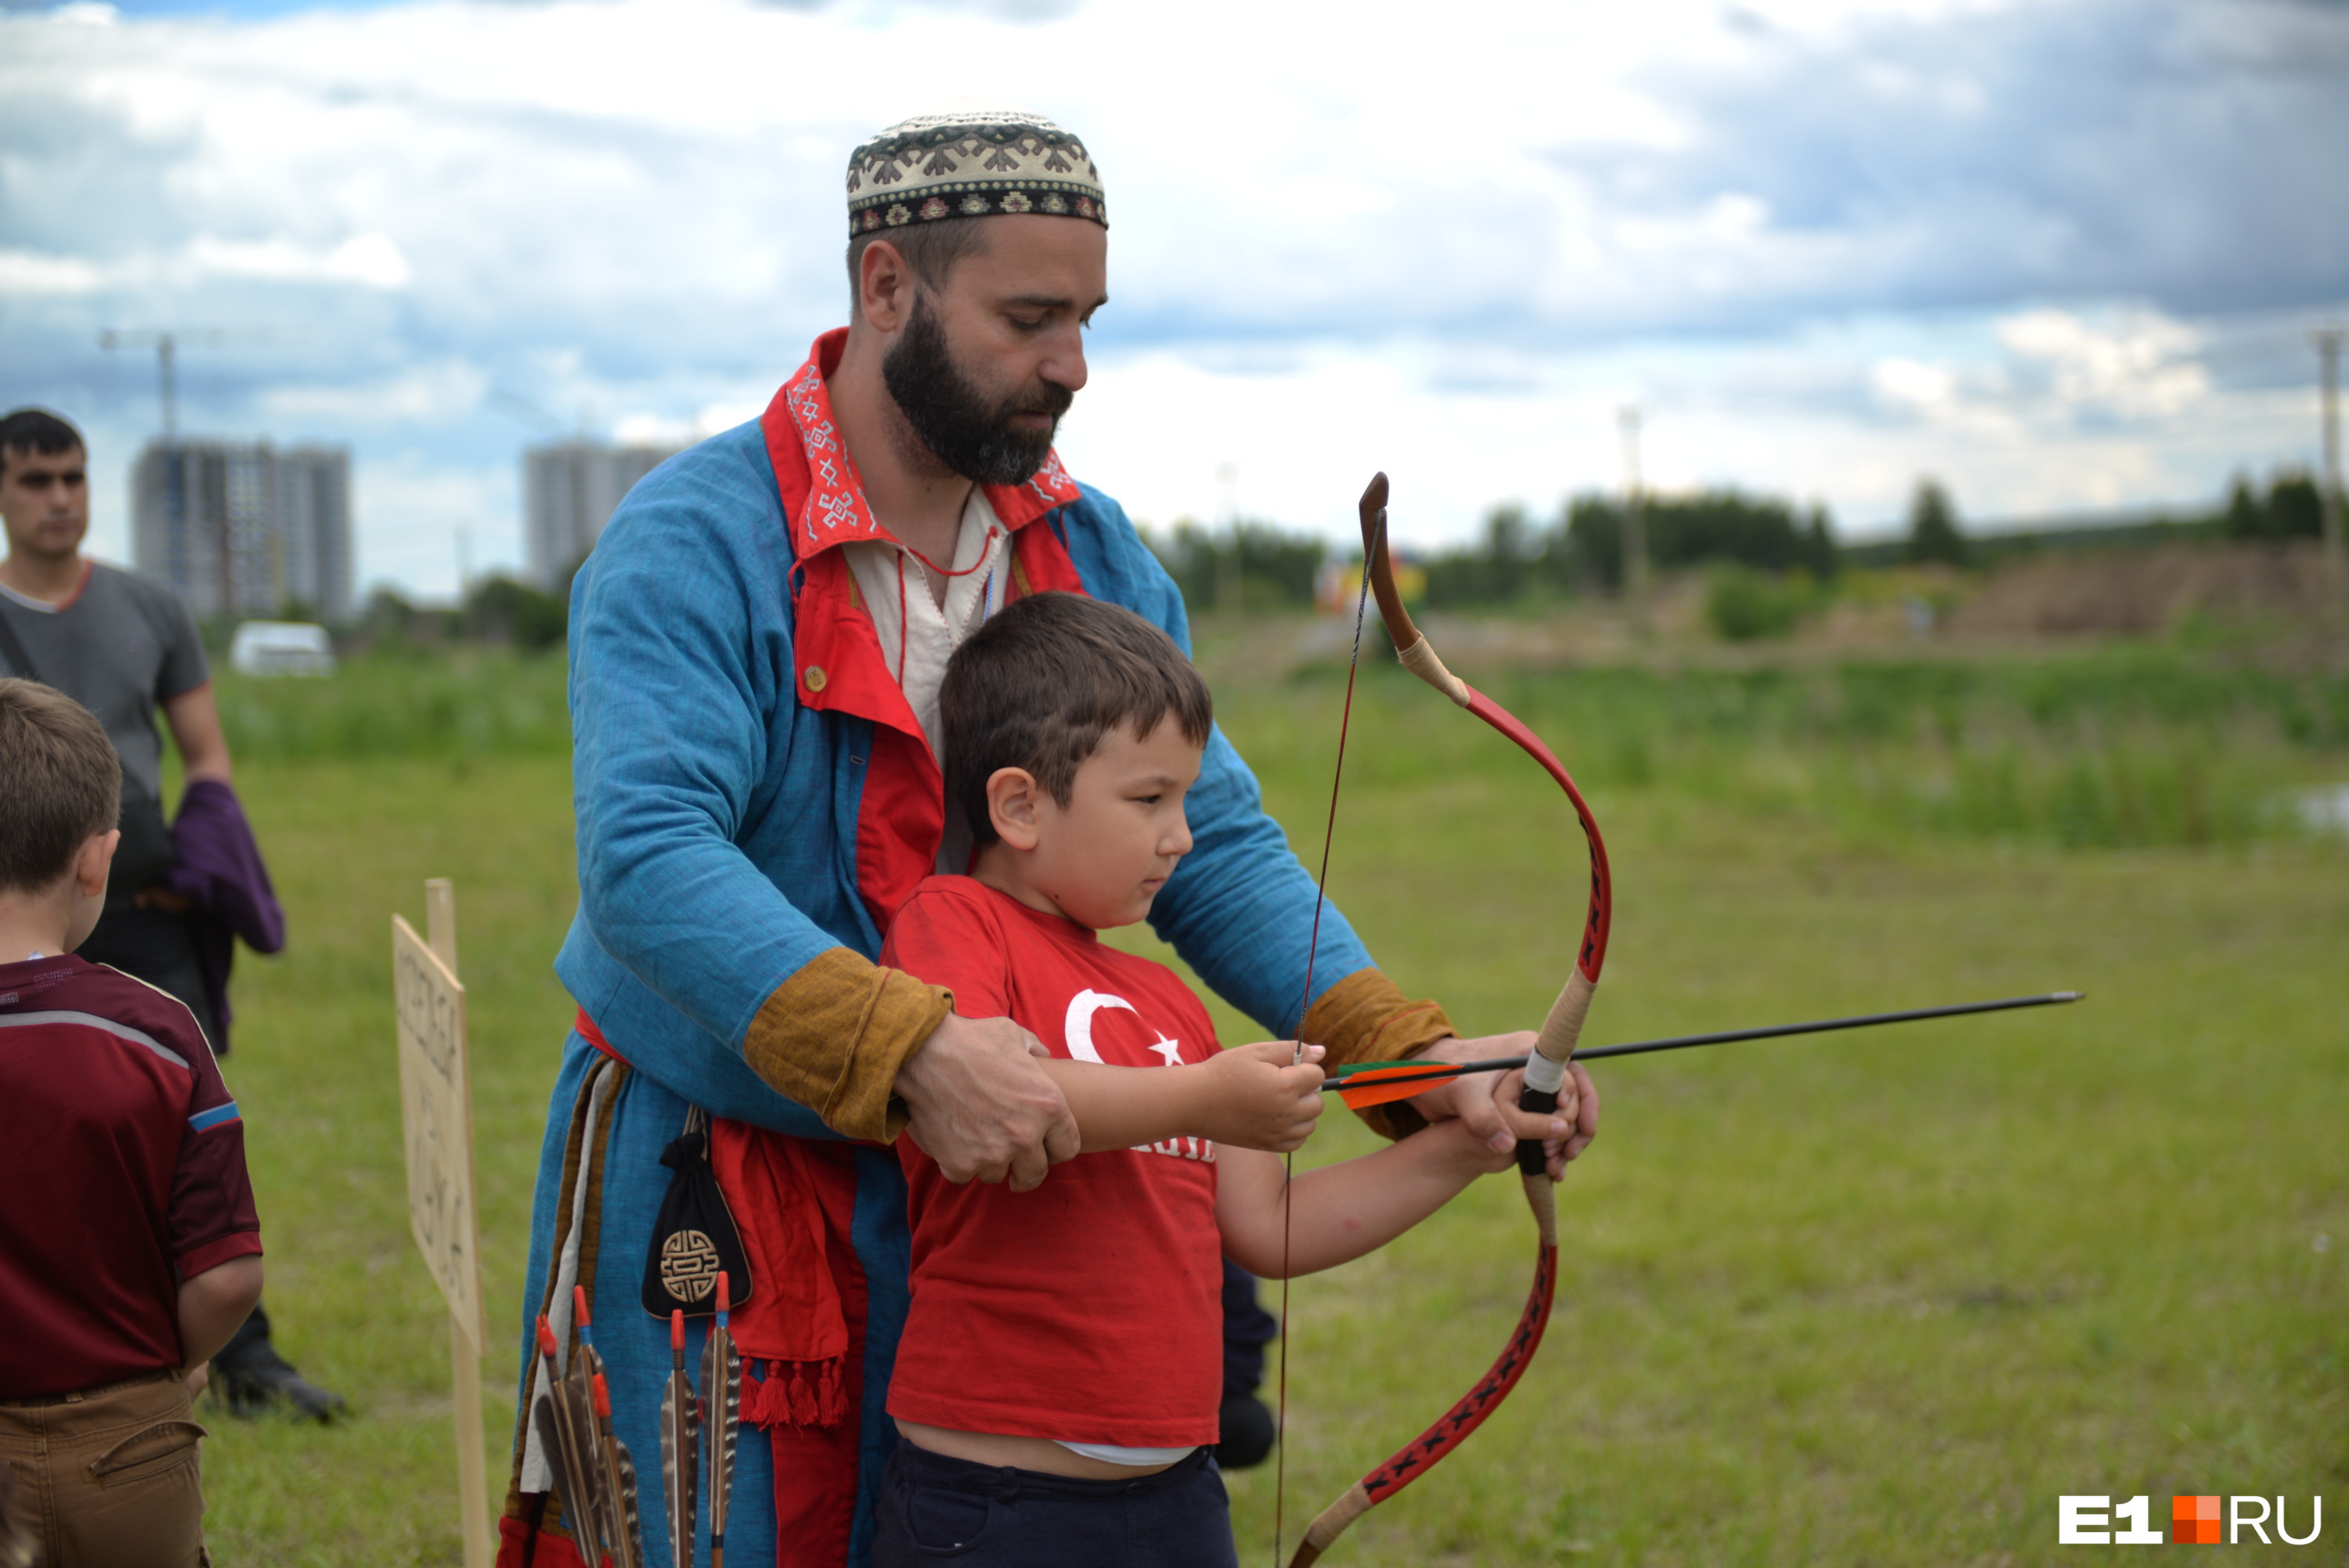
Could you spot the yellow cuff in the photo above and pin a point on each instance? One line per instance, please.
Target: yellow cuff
(833, 1035)
(1365, 1017)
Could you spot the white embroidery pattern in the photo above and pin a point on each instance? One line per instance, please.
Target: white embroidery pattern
(831, 497)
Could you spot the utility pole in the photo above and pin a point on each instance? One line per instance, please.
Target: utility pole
(1228, 582)
(2336, 572)
(1635, 522)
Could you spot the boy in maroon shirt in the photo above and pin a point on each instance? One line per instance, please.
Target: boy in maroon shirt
(130, 1251)
(1057, 1383)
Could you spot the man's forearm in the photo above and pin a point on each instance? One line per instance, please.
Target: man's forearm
(194, 718)
(1365, 1017)
(977, 1100)
(835, 1036)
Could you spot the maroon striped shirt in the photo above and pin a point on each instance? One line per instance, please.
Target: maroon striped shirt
(121, 1175)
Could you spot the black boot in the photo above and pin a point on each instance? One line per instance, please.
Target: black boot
(1247, 1433)
(249, 1377)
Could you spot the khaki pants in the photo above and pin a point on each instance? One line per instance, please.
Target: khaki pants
(108, 1478)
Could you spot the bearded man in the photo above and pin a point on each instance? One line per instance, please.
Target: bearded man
(757, 643)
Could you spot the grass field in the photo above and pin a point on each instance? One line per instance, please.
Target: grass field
(1875, 1298)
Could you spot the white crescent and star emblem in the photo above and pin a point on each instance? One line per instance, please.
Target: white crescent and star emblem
(1077, 1030)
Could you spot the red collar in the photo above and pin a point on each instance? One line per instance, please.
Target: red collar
(833, 510)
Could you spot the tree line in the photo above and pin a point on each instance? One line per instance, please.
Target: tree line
(1514, 558)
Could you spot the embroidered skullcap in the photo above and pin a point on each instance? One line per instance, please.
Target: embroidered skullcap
(972, 159)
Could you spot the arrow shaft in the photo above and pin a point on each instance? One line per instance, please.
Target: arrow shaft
(1726, 1037)
(1824, 1025)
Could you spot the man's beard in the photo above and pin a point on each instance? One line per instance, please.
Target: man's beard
(963, 428)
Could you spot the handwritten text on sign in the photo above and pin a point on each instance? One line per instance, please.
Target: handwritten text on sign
(437, 1104)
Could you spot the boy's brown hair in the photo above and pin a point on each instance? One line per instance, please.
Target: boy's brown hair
(1040, 685)
(60, 782)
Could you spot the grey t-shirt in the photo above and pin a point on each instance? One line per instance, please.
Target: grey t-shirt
(118, 647)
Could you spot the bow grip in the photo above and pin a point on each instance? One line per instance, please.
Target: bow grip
(1546, 1068)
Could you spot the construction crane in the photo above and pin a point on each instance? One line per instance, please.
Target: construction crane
(167, 346)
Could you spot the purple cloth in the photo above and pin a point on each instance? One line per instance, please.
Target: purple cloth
(219, 866)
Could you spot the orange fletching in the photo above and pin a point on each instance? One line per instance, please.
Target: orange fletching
(1373, 1085)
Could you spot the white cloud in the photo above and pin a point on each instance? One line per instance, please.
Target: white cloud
(2049, 371)
(25, 274)
(2140, 363)
(444, 390)
(1927, 388)
(372, 260)
(657, 430)
(369, 259)
(1831, 243)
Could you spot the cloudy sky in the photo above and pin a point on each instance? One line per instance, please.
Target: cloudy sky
(2062, 254)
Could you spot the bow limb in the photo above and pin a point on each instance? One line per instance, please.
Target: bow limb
(1545, 1072)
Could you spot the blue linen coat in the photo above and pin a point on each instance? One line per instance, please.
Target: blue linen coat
(717, 837)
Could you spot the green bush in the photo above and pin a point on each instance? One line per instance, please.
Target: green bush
(1744, 604)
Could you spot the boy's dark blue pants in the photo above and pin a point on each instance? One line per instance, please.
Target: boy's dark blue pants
(938, 1510)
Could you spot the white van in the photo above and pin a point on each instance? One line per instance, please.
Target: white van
(281, 648)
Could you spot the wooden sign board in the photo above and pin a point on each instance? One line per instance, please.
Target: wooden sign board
(437, 1104)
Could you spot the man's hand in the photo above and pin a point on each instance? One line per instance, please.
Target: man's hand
(980, 1106)
(1487, 1102)
(1487, 1156)
(1260, 1096)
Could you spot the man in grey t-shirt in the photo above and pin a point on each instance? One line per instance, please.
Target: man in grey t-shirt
(131, 644)
(123, 646)
(118, 645)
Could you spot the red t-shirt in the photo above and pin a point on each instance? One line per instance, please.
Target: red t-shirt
(121, 1173)
(1091, 1309)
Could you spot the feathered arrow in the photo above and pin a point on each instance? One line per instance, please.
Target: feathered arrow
(1367, 1084)
(680, 1448)
(611, 1473)
(564, 1433)
(619, 1480)
(721, 1393)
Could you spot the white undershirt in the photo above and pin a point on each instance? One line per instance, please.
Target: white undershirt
(918, 634)
(1110, 1454)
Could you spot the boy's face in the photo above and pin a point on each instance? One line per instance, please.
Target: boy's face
(1102, 858)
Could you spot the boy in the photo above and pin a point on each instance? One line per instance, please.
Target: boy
(1057, 1382)
(129, 1247)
